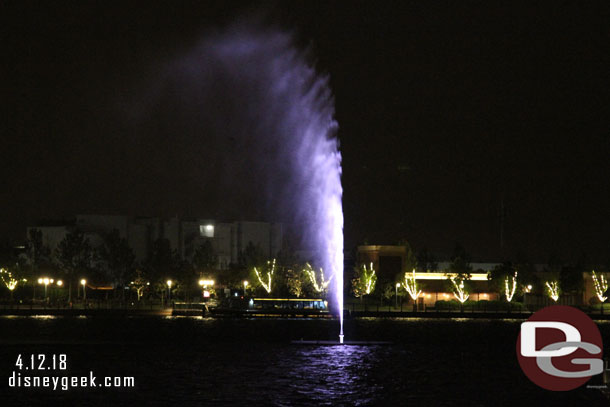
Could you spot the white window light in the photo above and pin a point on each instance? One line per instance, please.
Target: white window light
(206, 230)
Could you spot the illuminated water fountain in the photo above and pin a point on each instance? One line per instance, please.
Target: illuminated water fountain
(283, 110)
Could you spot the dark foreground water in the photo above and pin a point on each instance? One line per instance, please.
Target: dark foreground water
(194, 361)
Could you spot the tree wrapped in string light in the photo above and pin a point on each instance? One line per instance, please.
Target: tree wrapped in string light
(294, 282)
(510, 286)
(410, 285)
(9, 280)
(268, 276)
(601, 286)
(139, 284)
(365, 281)
(552, 288)
(322, 285)
(459, 291)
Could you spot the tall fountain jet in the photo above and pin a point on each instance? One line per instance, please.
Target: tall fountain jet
(258, 90)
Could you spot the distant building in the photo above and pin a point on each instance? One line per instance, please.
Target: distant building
(389, 264)
(228, 239)
(389, 260)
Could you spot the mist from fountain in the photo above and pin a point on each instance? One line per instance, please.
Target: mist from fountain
(272, 114)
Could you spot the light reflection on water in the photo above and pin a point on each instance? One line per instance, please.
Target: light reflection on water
(186, 361)
(36, 317)
(44, 317)
(328, 375)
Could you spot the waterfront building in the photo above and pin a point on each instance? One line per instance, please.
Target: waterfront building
(228, 239)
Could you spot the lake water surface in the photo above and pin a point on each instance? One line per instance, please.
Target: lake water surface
(197, 361)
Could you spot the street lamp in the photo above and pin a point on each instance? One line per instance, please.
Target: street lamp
(397, 287)
(84, 282)
(204, 284)
(169, 290)
(245, 286)
(46, 281)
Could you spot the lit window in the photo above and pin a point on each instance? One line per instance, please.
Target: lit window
(206, 230)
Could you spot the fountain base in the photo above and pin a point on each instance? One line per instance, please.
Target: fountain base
(341, 342)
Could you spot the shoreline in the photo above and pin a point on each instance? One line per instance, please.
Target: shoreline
(272, 314)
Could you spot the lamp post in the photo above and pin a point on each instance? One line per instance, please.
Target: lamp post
(397, 286)
(169, 290)
(59, 284)
(46, 281)
(204, 284)
(245, 287)
(84, 282)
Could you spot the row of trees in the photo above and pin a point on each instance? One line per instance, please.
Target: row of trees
(506, 284)
(366, 281)
(508, 279)
(113, 262)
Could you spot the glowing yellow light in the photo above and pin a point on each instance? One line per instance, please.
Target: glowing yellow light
(140, 284)
(271, 270)
(9, 280)
(443, 276)
(601, 286)
(510, 291)
(364, 281)
(169, 283)
(553, 290)
(323, 285)
(40, 281)
(205, 283)
(46, 281)
(288, 299)
(60, 283)
(410, 285)
(83, 281)
(370, 278)
(459, 293)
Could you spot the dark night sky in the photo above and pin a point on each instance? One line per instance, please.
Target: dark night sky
(444, 108)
